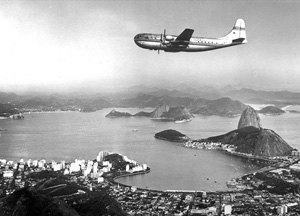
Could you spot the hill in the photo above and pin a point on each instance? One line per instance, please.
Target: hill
(222, 107)
(255, 141)
(279, 98)
(171, 135)
(271, 110)
(115, 113)
(162, 112)
(249, 117)
(27, 201)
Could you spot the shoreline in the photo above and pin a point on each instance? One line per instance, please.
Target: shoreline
(111, 179)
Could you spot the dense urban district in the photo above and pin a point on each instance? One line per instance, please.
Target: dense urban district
(89, 188)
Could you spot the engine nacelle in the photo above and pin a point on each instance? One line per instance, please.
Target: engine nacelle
(170, 38)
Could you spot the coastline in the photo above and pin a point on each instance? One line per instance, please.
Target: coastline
(111, 179)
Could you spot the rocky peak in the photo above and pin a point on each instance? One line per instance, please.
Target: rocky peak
(249, 117)
(160, 110)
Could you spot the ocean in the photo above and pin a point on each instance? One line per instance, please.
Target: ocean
(70, 135)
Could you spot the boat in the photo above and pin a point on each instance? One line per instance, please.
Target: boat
(183, 121)
(3, 129)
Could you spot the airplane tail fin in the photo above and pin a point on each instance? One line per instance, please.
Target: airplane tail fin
(238, 33)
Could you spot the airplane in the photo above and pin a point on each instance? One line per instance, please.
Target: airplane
(186, 43)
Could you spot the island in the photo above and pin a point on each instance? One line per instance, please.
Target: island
(172, 135)
(161, 113)
(271, 110)
(115, 114)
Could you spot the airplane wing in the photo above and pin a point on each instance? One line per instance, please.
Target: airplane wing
(185, 35)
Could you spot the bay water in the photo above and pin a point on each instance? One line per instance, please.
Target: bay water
(70, 135)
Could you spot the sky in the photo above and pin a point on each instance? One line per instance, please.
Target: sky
(73, 45)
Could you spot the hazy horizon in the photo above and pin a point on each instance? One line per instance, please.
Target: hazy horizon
(71, 46)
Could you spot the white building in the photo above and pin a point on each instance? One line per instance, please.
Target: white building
(2, 161)
(53, 163)
(35, 163)
(137, 169)
(105, 163)
(29, 163)
(74, 167)
(41, 164)
(86, 172)
(102, 155)
(281, 210)
(57, 167)
(95, 169)
(100, 179)
(63, 164)
(66, 172)
(133, 188)
(227, 209)
(8, 174)
(105, 169)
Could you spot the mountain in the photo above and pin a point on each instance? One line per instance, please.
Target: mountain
(27, 201)
(171, 135)
(177, 113)
(221, 107)
(115, 113)
(168, 113)
(8, 109)
(249, 117)
(163, 112)
(280, 98)
(184, 90)
(102, 204)
(249, 138)
(271, 110)
(148, 100)
(227, 88)
(141, 89)
(255, 141)
(201, 100)
(9, 97)
(159, 111)
(95, 105)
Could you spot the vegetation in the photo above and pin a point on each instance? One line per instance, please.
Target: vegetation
(171, 135)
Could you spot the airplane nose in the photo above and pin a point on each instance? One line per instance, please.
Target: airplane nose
(137, 40)
(139, 43)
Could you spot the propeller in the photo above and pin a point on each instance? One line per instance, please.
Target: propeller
(162, 39)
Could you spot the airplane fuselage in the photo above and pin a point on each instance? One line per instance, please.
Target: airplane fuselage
(196, 44)
(186, 43)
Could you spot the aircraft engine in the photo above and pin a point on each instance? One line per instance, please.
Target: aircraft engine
(169, 38)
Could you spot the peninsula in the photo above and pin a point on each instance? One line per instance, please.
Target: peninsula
(249, 139)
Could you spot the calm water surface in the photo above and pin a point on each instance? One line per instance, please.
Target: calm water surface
(70, 135)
